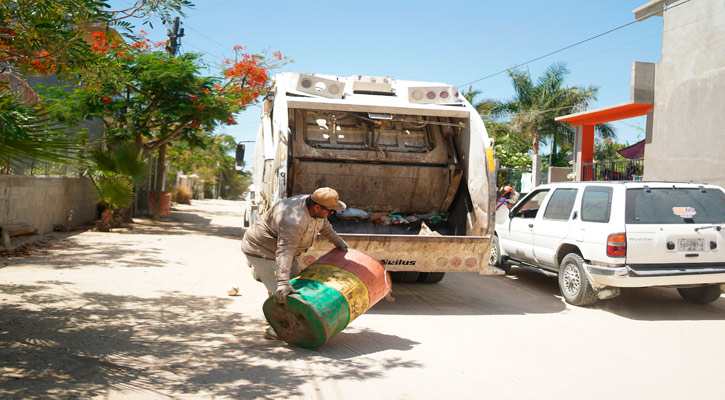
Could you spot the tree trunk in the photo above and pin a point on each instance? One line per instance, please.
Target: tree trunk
(159, 179)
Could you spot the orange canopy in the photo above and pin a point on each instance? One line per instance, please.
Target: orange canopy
(608, 114)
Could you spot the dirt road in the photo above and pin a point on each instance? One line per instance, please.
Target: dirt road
(143, 314)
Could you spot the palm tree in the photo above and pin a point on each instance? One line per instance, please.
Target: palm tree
(29, 134)
(535, 105)
(487, 110)
(114, 173)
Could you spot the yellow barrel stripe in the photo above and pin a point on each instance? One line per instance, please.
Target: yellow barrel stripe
(345, 282)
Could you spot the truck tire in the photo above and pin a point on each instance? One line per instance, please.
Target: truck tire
(701, 294)
(573, 282)
(404, 276)
(431, 277)
(495, 258)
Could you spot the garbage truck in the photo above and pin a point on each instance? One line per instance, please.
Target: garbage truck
(412, 161)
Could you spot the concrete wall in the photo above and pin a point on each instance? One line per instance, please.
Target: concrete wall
(687, 141)
(558, 174)
(43, 201)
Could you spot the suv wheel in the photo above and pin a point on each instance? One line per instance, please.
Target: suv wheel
(495, 258)
(573, 281)
(701, 294)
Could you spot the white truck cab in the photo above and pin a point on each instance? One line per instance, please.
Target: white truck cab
(597, 237)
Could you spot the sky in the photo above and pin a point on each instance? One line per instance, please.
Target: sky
(463, 43)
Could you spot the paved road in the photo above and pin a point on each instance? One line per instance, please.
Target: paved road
(142, 313)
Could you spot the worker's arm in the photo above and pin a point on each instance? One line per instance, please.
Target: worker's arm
(331, 235)
(289, 235)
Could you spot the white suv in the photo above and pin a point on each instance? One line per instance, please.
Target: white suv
(597, 237)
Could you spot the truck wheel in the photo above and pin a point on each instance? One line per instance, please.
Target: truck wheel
(495, 258)
(573, 281)
(701, 294)
(431, 277)
(404, 276)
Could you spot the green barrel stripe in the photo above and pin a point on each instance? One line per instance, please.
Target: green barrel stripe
(310, 318)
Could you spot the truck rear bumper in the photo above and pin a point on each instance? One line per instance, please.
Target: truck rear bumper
(417, 253)
(627, 276)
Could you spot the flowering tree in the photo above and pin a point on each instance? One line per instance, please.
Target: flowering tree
(151, 98)
(41, 37)
(44, 37)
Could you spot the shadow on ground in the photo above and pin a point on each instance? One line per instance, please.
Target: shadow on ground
(182, 343)
(528, 292)
(183, 223)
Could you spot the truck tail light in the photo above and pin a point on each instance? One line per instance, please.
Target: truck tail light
(433, 95)
(617, 245)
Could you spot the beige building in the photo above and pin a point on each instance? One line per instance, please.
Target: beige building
(685, 137)
(683, 97)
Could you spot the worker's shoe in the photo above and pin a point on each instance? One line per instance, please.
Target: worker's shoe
(270, 334)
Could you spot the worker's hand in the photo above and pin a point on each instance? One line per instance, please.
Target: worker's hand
(343, 246)
(283, 290)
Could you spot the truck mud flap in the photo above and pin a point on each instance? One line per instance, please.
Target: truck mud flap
(416, 253)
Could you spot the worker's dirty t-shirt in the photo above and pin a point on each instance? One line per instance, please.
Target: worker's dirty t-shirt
(286, 231)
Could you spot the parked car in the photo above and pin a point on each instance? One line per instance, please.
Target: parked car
(598, 237)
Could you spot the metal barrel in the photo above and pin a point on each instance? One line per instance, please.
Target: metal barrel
(334, 290)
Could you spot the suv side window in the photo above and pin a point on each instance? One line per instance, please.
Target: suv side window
(596, 204)
(530, 205)
(560, 204)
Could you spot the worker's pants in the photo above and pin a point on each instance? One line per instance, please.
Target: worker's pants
(265, 269)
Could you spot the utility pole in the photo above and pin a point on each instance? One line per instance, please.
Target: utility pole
(172, 45)
(175, 36)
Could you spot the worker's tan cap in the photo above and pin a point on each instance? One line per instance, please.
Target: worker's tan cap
(329, 198)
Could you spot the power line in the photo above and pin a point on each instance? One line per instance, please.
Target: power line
(519, 32)
(548, 54)
(210, 8)
(211, 39)
(313, 56)
(570, 46)
(531, 39)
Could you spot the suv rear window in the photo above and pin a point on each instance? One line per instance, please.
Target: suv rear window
(675, 206)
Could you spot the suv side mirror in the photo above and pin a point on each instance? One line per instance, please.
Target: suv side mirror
(239, 159)
(511, 214)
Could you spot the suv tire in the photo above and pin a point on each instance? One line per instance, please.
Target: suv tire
(495, 258)
(573, 282)
(701, 294)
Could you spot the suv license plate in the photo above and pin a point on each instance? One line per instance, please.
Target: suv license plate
(691, 244)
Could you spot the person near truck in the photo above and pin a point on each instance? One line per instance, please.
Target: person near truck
(275, 241)
(505, 194)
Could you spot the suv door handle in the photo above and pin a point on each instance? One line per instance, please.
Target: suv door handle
(531, 225)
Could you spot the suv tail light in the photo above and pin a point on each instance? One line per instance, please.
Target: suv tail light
(617, 245)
